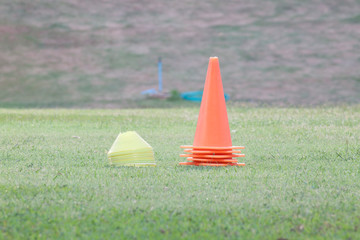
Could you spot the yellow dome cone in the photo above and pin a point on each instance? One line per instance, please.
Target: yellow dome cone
(127, 142)
(129, 149)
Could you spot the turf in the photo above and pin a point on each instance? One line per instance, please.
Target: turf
(301, 180)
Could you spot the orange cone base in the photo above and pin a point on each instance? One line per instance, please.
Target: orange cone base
(212, 161)
(210, 152)
(212, 164)
(213, 148)
(212, 156)
(225, 156)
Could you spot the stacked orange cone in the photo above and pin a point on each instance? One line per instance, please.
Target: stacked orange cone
(212, 143)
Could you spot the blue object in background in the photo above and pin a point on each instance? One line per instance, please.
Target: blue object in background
(160, 74)
(197, 96)
(154, 91)
(149, 92)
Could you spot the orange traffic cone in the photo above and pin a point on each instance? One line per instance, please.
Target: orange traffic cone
(212, 143)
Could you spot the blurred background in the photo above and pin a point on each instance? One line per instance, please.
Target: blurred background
(103, 54)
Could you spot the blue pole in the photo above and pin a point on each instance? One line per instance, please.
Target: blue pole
(160, 74)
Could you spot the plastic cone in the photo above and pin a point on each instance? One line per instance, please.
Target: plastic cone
(212, 128)
(127, 142)
(129, 149)
(212, 137)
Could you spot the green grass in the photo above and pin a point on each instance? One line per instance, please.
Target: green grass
(301, 180)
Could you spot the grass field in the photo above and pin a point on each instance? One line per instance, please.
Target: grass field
(104, 53)
(301, 180)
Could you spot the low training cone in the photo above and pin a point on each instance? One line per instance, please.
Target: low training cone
(129, 149)
(212, 143)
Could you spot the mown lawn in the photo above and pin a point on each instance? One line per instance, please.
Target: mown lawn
(301, 180)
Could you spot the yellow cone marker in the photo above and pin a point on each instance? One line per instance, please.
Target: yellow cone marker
(129, 149)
